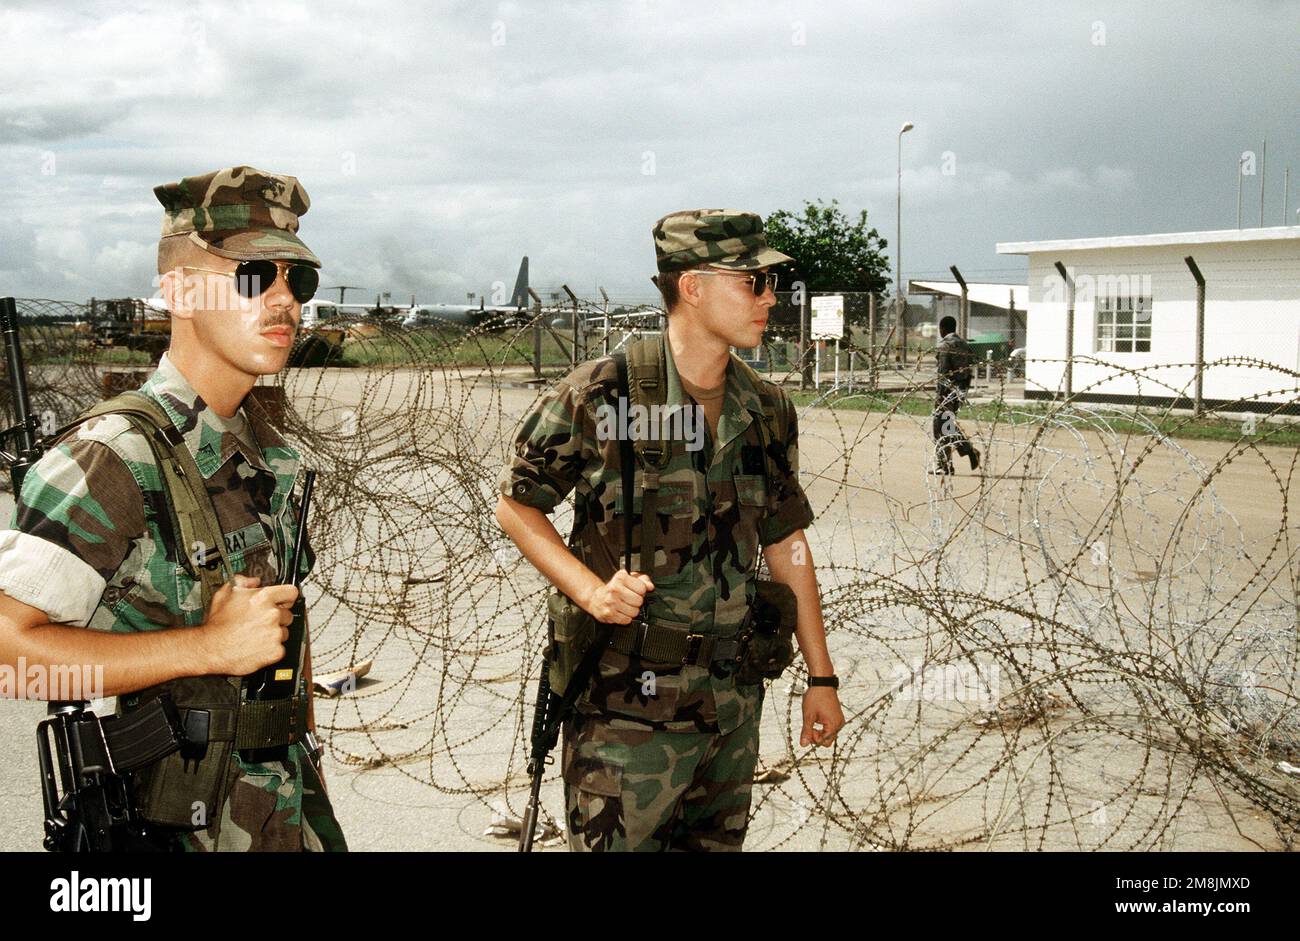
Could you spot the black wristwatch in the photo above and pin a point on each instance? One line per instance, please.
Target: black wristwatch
(832, 681)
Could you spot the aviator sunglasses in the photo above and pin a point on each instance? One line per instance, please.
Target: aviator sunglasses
(759, 281)
(254, 278)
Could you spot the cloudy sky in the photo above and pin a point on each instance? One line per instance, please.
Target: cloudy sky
(440, 145)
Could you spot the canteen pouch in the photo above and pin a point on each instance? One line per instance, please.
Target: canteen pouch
(186, 792)
(571, 630)
(768, 640)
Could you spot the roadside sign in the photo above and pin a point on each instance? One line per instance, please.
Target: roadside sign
(828, 317)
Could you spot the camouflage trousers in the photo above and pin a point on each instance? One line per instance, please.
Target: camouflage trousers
(631, 788)
(260, 816)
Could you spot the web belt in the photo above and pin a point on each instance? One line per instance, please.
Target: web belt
(151, 732)
(658, 643)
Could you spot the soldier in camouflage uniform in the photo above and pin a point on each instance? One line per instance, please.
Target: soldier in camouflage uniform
(661, 755)
(953, 360)
(90, 570)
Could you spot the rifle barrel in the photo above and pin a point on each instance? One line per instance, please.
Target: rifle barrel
(27, 451)
(540, 745)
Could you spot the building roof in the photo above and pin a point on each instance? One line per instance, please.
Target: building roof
(1271, 233)
(991, 294)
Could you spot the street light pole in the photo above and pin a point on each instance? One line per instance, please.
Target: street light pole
(1240, 163)
(898, 251)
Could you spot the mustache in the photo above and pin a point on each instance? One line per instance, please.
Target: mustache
(279, 322)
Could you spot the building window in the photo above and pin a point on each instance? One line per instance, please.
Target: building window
(1124, 324)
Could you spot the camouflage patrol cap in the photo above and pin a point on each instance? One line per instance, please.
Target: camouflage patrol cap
(239, 213)
(727, 238)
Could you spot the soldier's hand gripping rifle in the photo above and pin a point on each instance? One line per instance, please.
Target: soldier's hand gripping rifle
(551, 709)
(87, 803)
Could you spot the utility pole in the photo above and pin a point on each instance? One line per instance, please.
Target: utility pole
(1263, 156)
(899, 301)
(1240, 163)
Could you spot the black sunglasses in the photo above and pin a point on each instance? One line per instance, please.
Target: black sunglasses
(254, 278)
(759, 281)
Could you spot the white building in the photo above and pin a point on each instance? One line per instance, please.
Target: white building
(1135, 308)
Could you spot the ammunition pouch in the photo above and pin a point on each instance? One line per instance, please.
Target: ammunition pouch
(187, 786)
(121, 745)
(570, 632)
(767, 637)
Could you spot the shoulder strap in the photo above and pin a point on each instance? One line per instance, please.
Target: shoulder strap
(194, 518)
(648, 373)
(627, 465)
(773, 427)
(648, 387)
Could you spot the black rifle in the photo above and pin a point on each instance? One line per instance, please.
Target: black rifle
(88, 806)
(550, 711)
(280, 680)
(26, 450)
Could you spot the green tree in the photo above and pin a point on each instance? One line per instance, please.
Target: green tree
(831, 252)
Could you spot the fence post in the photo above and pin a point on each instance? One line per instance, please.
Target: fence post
(1069, 328)
(537, 334)
(573, 353)
(963, 310)
(871, 340)
(805, 328)
(605, 339)
(1198, 403)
